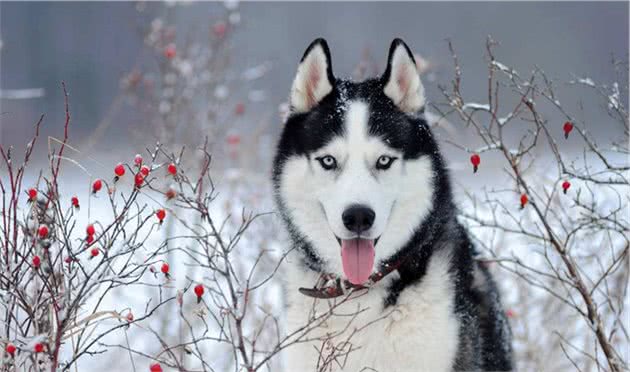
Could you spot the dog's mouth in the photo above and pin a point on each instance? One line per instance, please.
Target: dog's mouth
(357, 257)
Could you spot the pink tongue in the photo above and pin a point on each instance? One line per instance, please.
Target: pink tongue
(357, 256)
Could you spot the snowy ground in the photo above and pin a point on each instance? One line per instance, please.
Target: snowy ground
(532, 323)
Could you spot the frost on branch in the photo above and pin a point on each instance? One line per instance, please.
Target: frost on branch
(107, 283)
(555, 227)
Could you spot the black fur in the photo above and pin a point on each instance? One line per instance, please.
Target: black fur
(484, 335)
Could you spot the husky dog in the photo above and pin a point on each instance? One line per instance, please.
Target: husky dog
(380, 272)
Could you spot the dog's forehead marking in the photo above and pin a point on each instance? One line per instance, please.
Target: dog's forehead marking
(356, 123)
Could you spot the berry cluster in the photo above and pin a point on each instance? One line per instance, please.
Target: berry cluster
(475, 160)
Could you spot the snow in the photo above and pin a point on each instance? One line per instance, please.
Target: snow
(22, 93)
(533, 324)
(221, 92)
(256, 72)
(613, 99)
(476, 106)
(238, 189)
(505, 119)
(586, 81)
(509, 71)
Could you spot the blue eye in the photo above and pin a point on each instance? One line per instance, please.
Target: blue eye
(384, 162)
(327, 162)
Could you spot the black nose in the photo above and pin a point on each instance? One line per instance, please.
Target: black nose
(358, 218)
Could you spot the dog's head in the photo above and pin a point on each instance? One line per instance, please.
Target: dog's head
(354, 174)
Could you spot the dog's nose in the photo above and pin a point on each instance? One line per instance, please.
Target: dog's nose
(358, 218)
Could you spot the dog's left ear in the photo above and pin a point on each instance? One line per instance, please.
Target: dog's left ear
(314, 78)
(401, 79)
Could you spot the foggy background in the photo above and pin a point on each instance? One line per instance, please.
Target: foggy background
(91, 46)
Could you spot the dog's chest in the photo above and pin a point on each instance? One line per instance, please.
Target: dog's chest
(419, 333)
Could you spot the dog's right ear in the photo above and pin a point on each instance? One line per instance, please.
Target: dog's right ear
(314, 79)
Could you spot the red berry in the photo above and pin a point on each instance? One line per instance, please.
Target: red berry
(36, 262)
(75, 202)
(219, 29)
(90, 230)
(130, 316)
(161, 215)
(567, 128)
(172, 169)
(68, 260)
(138, 180)
(170, 51)
(239, 109)
(475, 160)
(42, 231)
(510, 313)
(170, 194)
(233, 139)
(11, 349)
(32, 194)
(524, 200)
(39, 347)
(89, 240)
(96, 186)
(199, 290)
(94, 252)
(155, 367)
(119, 170)
(137, 160)
(565, 186)
(144, 170)
(165, 268)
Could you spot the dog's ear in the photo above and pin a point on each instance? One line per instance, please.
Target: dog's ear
(314, 79)
(401, 79)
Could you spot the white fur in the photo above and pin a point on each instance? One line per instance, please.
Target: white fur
(420, 333)
(400, 196)
(404, 86)
(311, 82)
